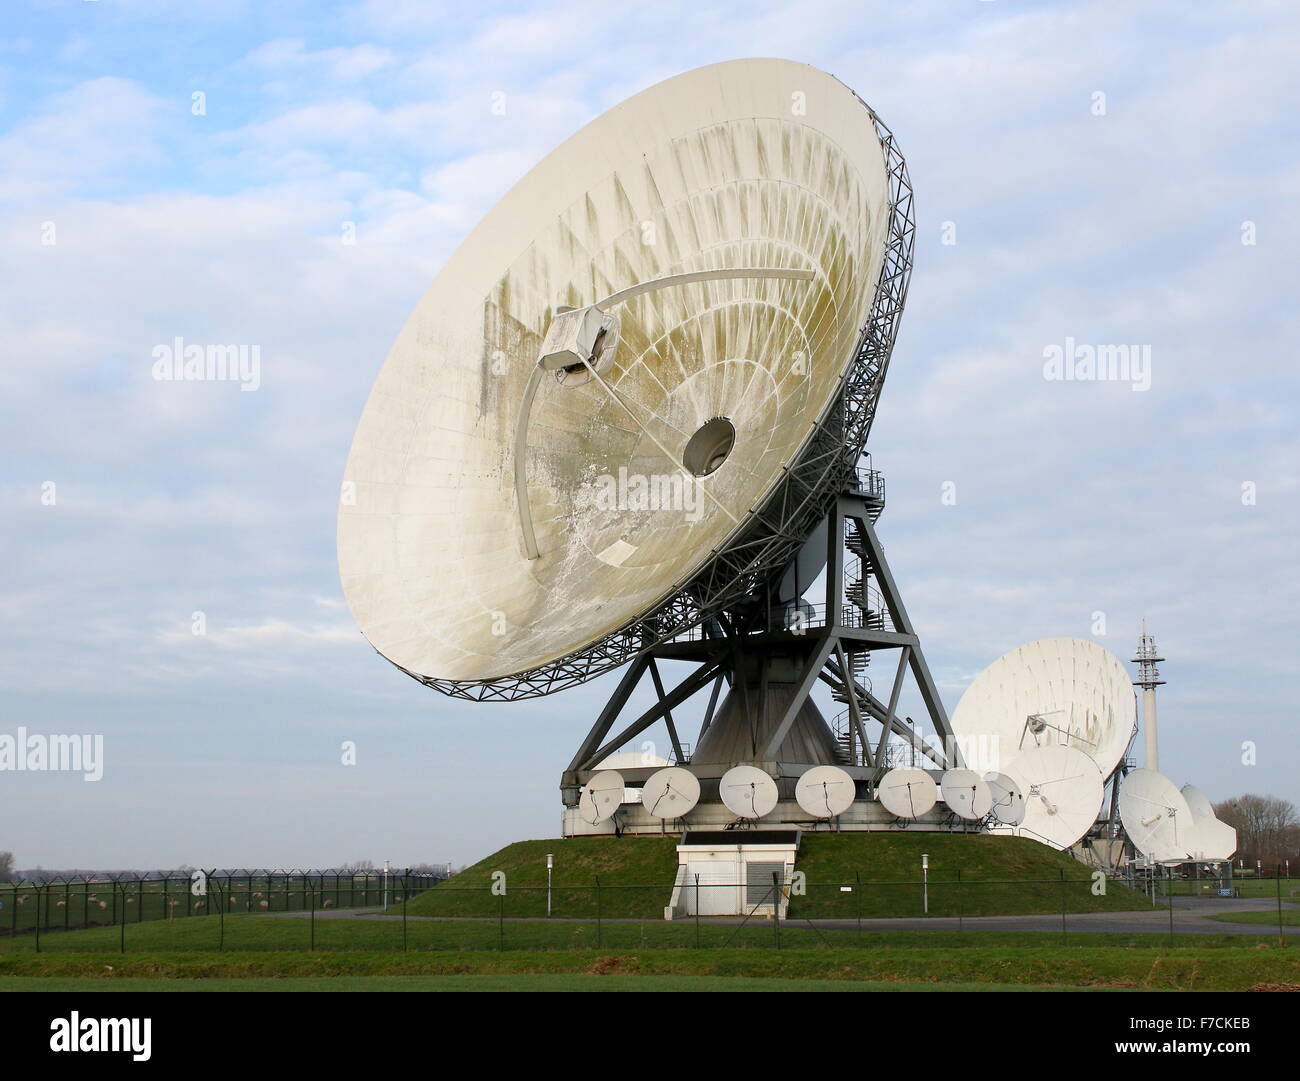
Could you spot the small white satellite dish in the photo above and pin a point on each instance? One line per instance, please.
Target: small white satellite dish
(1156, 817)
(825, 791)
(966, 794)
(1008, 802)
(748, 792)
(670, 793)
(601, 797)
(1063, 792)
(1053, 691)
(907, 792)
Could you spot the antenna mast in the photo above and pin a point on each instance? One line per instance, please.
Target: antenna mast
(1149, 679)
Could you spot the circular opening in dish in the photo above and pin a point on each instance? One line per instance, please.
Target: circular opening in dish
(708, 448)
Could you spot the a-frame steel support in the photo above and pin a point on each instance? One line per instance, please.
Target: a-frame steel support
(866, 617)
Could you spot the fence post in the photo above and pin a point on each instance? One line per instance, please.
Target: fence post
(697, 910)
(38, 919)
(67, 897)
(960, 926)
(121, 924)
(1169, 889)
(1281, 934)
(312, 919)
(598, 930)
(1062, 906)
(776, 907)
(406, 896)
(501, 923)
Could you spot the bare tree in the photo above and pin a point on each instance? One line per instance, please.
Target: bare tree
(1268, 827)
(6, 866)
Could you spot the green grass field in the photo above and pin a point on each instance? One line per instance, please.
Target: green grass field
(1198, 967)
(518, 982)
(360, 953)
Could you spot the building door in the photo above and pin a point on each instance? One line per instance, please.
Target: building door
(720, 886)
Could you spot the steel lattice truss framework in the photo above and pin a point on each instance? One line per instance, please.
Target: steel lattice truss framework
(774, 534)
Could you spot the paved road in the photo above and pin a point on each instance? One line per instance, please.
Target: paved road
(1189, 918)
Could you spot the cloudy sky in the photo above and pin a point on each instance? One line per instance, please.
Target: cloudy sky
(1110, 173)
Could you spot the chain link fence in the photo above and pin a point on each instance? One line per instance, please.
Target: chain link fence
(373, 911)
(79, 902)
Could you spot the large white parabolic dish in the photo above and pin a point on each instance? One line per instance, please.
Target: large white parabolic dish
(1197, 802)
(1063, 792)
(1211, 839)
(750, 163)
(1156, 817)
(1079, 692)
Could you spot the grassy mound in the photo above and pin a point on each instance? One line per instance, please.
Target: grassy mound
(970, 875)
(636, 878)
(999, 876)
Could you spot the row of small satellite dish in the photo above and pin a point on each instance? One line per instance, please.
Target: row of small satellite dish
(824, 792)
(1059, 713)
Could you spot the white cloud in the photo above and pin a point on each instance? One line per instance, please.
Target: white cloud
(96, 132)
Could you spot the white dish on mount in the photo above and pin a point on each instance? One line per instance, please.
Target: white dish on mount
(1007, 801)
(825, 791)
(1051, 692)
(1156, 817)
(1211, 840)
(670, 793)
(748, 792)
(966, 794)
(1063, 791)
(1198, 803)
(907, 792)
(601, 797)
(558, 345)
